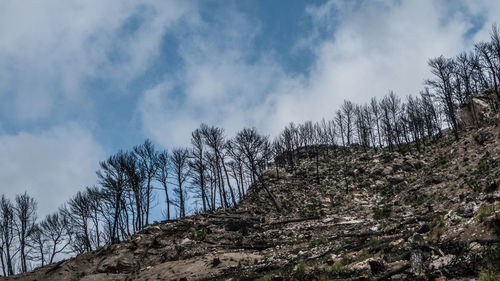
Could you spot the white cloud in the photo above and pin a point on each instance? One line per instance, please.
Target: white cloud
(373, 47)
(51, 166)
(49, 49)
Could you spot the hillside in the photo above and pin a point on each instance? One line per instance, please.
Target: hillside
(373, 215)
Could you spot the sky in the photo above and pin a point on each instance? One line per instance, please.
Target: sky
(83, 79)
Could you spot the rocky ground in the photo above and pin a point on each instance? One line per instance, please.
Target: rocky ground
(373, 215)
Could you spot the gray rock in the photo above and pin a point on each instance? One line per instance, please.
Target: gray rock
(416, 260)
(467, 210)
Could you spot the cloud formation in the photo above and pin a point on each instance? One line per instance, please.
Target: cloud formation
(361, 49)
(51, 165)
(54, 53)
(50, 50)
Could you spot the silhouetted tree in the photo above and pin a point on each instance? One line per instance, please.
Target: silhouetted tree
(198, 166)
(57, 231)
(162, 174)
(147, 156)
(7, 215)
(24, 220)
(179, 160)
(442, 69)
(256, 152)
(112, 177)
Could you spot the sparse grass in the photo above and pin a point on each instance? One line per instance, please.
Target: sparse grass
(317, 242)
(382, 213)
(266, 277)
(198, 235)
(336, 269)
(485, 211)
(300, 272)
(489, 276)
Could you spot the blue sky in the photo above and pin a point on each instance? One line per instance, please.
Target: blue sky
(80, 80)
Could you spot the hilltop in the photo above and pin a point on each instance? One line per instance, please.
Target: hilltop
(349, 213)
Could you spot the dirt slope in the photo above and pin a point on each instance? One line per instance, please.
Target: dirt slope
(373, 215)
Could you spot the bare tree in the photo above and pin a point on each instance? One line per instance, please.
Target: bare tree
(180, 167)
(375, 110)
(214, 138)
(148, 156)
(348, 112)
(7, 212)
(255, 149)
(137, 175)
(198, 166)
(56, 228)
(113, 178)
(162, 174)
(39, 243)
(24, 220)
(442, 69)
(339, 119)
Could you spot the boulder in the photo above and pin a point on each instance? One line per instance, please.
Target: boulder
(439, 262)
(473, 111)
(467, 210)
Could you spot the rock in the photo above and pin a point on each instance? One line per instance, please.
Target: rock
(216, 261)
(387, 171)
(440, 262)
(396, 178)
(416, 240)
(370, 266)
(397, 242)
(424, 228)
(186, 241)
(467, 210)
(416, 260)
(453, 217)
(474, 246)
(114, 264)
(376, 266)
(362, 267)
(473, 111)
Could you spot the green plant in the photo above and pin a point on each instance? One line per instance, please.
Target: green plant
(266, 277)
(198, 235)
(337, 269)
(489, 276)
(300, 272)
(382, 213)
(485, 211)
(317, 242)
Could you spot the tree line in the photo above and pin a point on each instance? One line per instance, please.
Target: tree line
(215, 171)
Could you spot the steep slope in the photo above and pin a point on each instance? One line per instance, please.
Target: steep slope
(373, 215)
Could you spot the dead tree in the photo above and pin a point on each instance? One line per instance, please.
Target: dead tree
(7, 215)
(442, 69)
(113, 178)
(56, 228)
(256, 152)
(179, 160)
(24, 220)
(214, 138)
(198, 166)
(148, 156)
(162, 174)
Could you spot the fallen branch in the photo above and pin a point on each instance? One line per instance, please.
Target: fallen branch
(294, 220)
(394, 272)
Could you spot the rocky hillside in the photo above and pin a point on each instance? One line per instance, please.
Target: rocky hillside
(373, 215)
